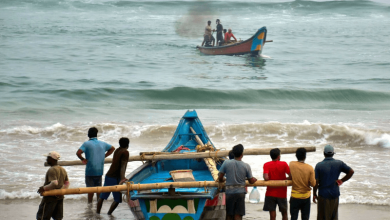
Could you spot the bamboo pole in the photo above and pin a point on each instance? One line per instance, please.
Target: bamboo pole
(221, 153)
(140, 187)
(209, 161)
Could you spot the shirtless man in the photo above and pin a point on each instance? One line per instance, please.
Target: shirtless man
(208, 35)
(116, 175)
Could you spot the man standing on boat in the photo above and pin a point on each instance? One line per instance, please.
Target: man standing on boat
(95, 152)
(208, 37)
(327, 174)
(56, 178)
(276, 170)
(116, 175)
(236, 173)
(302, 178)
(219, 33)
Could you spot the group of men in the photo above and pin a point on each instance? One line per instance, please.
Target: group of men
(223, 36)
(95, 152)
(324, 178)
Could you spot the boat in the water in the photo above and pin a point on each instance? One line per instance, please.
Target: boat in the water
(181, 203)
(253, 46)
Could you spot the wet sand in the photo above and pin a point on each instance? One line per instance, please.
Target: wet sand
(78, 209)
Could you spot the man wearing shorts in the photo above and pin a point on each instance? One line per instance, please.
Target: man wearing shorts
(95, 152)
(276, 170)
(236, 173)
(327, 174)
(116, 175)
(208, 37)
(56, 178)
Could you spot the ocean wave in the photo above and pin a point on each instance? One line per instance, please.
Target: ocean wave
(27, 194)
(188, 97)
(298, 5)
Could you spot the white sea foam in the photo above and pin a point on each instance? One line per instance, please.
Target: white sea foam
(353, 143)
(374, 139)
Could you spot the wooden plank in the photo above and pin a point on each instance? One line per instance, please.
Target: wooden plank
(138, 187)
(224, 153)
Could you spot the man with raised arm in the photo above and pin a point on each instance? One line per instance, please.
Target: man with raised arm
(116, 175)
(208, 36)
(56, 178)
(302, 178)
(276, 170)
(327, 174)
(95, 152)
(236, 173)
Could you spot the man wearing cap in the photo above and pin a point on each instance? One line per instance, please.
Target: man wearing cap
(56, 178)
(327, 174)
(95, 152)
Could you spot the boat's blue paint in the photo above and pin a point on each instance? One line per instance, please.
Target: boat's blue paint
(183, 135)
(190, 114)
(158, 172)
(256, 41)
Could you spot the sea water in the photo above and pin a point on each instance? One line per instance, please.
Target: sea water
(131, 69)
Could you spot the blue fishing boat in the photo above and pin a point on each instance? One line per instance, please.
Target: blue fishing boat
(181, 203)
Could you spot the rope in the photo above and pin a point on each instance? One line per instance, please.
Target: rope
(129, 185)
(143, 158)
(204, 148)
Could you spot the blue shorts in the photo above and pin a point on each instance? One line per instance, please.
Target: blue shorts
(92, 181)
(110, 181)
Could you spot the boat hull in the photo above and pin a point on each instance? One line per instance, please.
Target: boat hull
(211, 209)
(253, 46)
(181, 203)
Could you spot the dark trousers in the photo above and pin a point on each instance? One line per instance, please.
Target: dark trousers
(300, 204)
(327, 209)
(219, 39)
(50, 208)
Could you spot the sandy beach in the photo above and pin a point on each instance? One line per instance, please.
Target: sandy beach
(78, 209)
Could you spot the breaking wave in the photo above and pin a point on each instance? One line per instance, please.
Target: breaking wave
(269, 133)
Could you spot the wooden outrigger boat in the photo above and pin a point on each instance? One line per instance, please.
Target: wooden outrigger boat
(177, 183)
(253, 46)
(182, 203)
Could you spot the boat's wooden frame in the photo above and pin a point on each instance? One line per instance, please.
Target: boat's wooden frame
(181, 203)
(253, 46)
